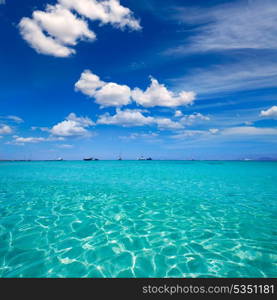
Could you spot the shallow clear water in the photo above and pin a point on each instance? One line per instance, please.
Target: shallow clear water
(138, 219)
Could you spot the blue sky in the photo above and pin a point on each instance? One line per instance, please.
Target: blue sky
(166, 79)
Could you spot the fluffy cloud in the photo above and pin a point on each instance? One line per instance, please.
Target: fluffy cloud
(82, 121)
(63, 28)
(34, 35)
(89, 83)
(129, 117)
(270, 113)
(105, 94)
(113, 94)
(126, 118)
(72, 126)
(63, 25)
(158, 95)
(54, 30)
(5, 129)
(108, 11)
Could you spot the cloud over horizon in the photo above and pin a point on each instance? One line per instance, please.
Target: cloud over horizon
(72, 126)
(112, 94)
(135, 117)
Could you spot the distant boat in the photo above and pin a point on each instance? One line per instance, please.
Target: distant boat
(120, 158)
(144, 158)
(59, 159)
(141, 158)
(90, 158)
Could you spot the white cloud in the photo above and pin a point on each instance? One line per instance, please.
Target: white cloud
(33, 34)
(63, 28)
(249, 130)
(63, 25)
(237, 25)
(188, 134)
(83, 121)
(270, 113)
(126, 118)
(158, 95)
(72, 126)
(195, 117)
(89, 83)
(108, 11)
(105, 94)
(67, 128)
(178, 114)
(129, 118)
(31, 139)
(226, 133)
(112, 94)
(18, 140)
(5, 129)
(54, 30)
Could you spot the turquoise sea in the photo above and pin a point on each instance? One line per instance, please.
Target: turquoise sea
(138, 219)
